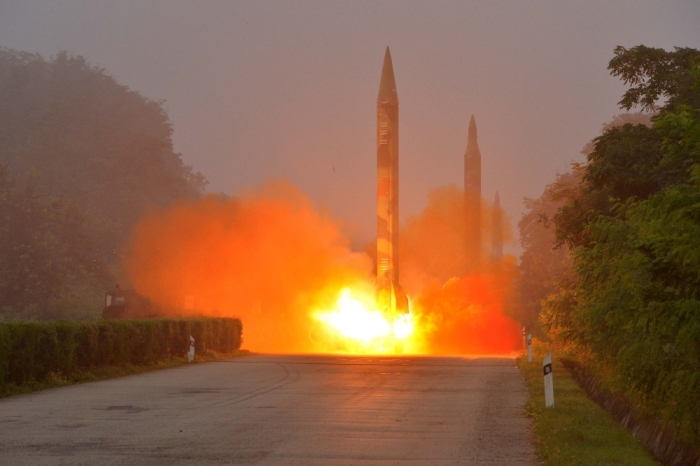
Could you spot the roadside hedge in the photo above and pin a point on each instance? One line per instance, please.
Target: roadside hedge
(34, 351)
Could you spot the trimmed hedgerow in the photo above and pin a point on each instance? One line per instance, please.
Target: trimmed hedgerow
(32, 352)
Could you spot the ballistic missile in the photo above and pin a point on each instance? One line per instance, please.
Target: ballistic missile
(390, 295)
(496, 230)
(472, 200)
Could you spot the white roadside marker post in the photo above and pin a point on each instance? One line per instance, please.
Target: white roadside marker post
(529, 347)
(548, 382)
(190, 353)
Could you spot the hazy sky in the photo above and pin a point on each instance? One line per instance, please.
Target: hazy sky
(288, 89)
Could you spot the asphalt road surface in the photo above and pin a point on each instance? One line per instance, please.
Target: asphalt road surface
(280, 410)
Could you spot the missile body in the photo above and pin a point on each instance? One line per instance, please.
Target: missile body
(390, 295)
(496, 230)
(472, 201)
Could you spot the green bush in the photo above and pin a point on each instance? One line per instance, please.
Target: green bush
(34, 351)
(633, 223)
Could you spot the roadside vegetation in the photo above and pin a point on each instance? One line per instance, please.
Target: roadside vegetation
(576, 431)
(82, 157)
(611, 268)
(36, 355)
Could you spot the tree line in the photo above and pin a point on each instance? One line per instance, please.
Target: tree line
(81, 158)
(611, 263)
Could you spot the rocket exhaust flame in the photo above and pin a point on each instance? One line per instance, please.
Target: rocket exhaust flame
(361, 321)
(353, 320)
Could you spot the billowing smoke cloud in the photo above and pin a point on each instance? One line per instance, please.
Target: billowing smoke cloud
(466, 315)
(273, 258)
(266, 257)
(460, 313)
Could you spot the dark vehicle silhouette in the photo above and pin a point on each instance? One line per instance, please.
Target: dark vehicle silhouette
(127, 304)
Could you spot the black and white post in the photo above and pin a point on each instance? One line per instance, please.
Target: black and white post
(190, 353)
(529, 347)
(548, 382)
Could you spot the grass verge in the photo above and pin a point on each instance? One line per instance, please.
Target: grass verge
(576, 431)
(110, 372)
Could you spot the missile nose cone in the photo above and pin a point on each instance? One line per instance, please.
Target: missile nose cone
(387, 85)
(472, 129)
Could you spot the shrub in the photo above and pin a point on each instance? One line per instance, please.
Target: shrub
(34, 351)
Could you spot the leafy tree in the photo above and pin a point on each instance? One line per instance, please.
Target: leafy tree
(104, 154)
(555, 223)
(626, 161)
(623, 165)
(654, 73)
(544, 268)
(638, 302)
(43, 248)
(639, 118)
(96, 143)
(633, 225)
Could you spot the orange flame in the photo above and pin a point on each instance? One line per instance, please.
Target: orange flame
(365, 328)
(284, 267)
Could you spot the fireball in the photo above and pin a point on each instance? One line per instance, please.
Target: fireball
(357, 319)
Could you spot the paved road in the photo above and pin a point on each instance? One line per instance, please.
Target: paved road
(280, 410)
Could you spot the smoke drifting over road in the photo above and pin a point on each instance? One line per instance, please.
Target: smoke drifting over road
(276, 260)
